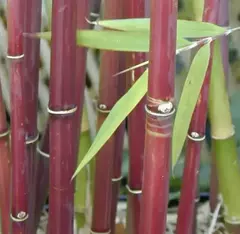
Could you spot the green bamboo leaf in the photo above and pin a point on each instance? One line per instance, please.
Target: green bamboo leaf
(82, 179)
(185, 28)
(119, 112)
(112, 40)
(188, 100)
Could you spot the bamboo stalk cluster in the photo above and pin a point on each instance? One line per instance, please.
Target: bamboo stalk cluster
(32, 169)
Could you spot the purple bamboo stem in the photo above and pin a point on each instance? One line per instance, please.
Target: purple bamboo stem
(31, 74)
(62, 125)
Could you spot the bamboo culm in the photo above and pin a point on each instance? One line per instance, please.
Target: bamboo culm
(32, 24)
(223, 20)
(189, 192)
(62, 108)
(20, 162)
(108, 96)
(117, 161)
(159, 113)
(136, 127)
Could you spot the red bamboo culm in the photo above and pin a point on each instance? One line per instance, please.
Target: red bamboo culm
(196, 134)
(5, 167)
(43, 168)
(117, 173)
(62, 109)
(108, 96)
(20, 163)
(159, 109)
(119, 139)
(81, 56)
(42, 174)
(32, 24)
(136, 127)
(189, 191)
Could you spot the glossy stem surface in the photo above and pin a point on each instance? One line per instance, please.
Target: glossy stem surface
(20, 161)
(108, 96)
(119, 139)
(62, 125)
(32, 24)
(157, 154)
(42, 174)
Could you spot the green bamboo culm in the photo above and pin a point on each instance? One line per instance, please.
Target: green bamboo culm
(82, 179)
(48, 7)
(192, 9)
(224, 143)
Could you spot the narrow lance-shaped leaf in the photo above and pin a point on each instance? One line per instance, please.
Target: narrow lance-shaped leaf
(188, 100)
(185, 28)
(123, 107)
(119, 112)
(112, 40)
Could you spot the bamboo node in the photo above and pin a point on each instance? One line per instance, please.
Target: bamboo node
(92, 232)
(232, 220)
(46, 155)
(33, 140)
(165, 109)
(94, 14)
(4, 133)
(102, 108)
(194, 136)
(62, 112)
(227, 136)
(21, 217)
(133, 191)
(91, 22)
(15, 57)
(117, 179)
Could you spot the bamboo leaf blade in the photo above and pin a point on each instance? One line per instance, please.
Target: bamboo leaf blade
(81, 181)
(188, 100)
(185, 28)
(197, 29)
(119, 112)
(135, 94)
(116, 41)
(112, 40)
